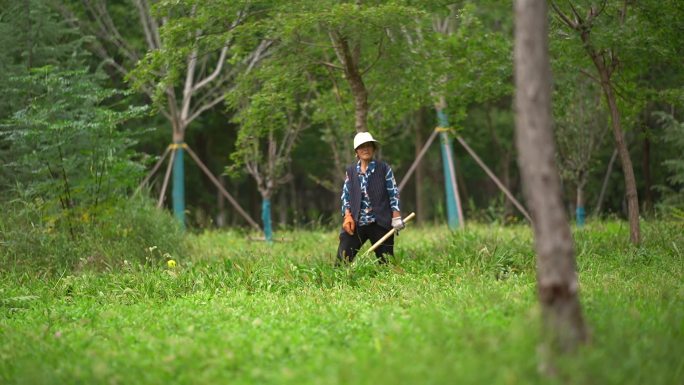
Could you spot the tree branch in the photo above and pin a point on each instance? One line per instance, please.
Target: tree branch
(578, 17)
(109, 32)
(330, 65)
(143, 13)
(258, 54)
(563, 17)
(337, 42)
(592, 77)
(205, 107)
(222, 56)
(377, 58)
(217, 70)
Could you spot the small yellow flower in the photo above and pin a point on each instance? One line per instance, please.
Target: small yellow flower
(171, 263)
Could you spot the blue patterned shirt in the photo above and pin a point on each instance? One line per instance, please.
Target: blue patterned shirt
(366, 216)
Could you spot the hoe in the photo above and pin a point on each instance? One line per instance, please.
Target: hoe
(389, 234)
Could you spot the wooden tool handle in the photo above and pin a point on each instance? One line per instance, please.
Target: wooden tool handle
(389, 234)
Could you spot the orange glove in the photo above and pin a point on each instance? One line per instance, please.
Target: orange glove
(348, 225)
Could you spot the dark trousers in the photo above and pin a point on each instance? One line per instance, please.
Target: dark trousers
(350, 244)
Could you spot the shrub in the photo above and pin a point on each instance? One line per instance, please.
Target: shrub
(127, 231)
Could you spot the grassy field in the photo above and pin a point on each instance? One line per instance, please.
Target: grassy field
(451, 308)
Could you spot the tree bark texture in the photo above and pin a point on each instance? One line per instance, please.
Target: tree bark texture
(350, 57)
(557, 284)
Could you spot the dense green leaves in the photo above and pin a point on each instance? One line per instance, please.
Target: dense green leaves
(67, 147)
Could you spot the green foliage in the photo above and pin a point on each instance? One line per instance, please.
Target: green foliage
(581, 127)
(637, 37)
(674, 190)
(452, 305)
(272, 104)
(66, 146)
(467, 49)
(32, 35)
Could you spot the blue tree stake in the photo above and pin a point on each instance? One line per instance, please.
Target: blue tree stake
(266, 218)
(580, 215)
(179, 186)
(447, 155)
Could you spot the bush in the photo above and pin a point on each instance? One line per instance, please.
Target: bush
(127, 231)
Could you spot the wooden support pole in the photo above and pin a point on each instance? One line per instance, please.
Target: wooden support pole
(494, 178)
(222, 189)
(413, 167)
(154, 170)
(167, 176)
(599, 202)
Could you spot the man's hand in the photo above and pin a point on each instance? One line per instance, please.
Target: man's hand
(397, 224)
(348, 225)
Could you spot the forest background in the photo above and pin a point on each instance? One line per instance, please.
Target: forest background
(96, 91)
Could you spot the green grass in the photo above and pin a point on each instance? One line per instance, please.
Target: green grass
(450, 308)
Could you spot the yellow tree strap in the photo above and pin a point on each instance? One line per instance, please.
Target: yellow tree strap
(176, 146)
(442, 129)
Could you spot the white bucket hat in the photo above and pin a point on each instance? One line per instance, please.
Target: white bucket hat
(363, 137)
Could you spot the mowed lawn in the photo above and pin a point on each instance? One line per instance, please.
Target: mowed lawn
(452, 307)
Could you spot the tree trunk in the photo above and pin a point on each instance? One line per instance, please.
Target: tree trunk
(294, 202)
(557, 284)
(580, 212)
(504, 164)
(625, 160)
(421, 116)
(360, 101)
(646, 166)
(349, 57)
(266, 217)
(282, 207)
(178, 189)
(221, 203)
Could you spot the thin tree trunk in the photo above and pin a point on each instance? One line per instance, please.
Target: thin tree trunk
(29, 37)
(580, 213)
(557, 284)
(294, 202)
(625, 160)
(282, 207)
(360, 102)
(646, 167)
(604, 72)
(421, 116)
(349, 57)
(221, 203)
(504, 164)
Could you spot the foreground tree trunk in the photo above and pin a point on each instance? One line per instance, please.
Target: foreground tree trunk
(557, 284)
